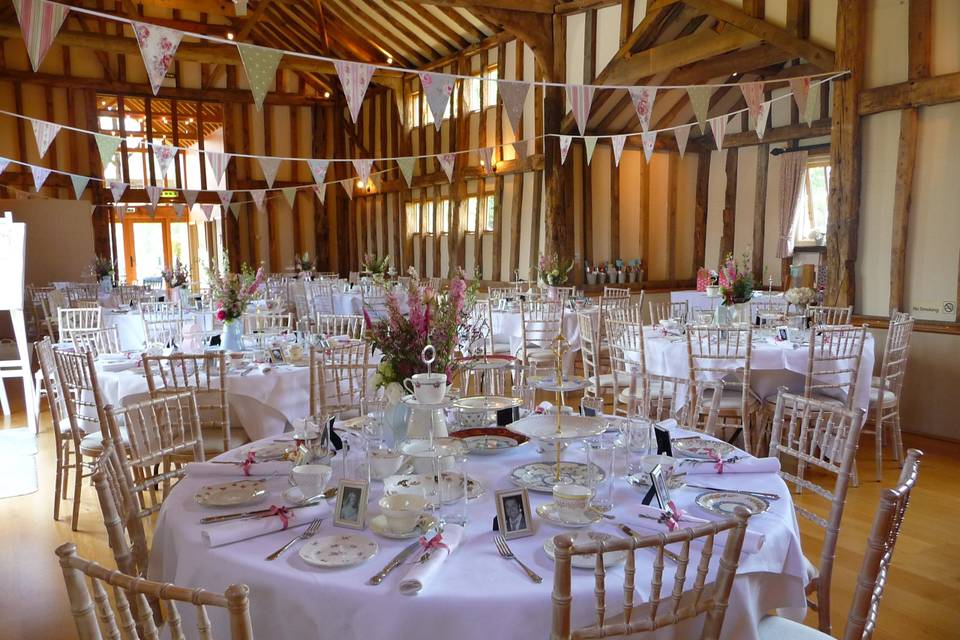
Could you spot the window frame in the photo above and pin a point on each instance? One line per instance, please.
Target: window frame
(813, 162)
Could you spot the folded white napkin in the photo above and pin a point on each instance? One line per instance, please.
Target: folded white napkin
(667, 424)
(420, 575)
(745, 465)
(257, 469)
(115, 366)
(219, 534)
(752, 540)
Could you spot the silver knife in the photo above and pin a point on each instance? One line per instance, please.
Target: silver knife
(259, 513)
(398, 560)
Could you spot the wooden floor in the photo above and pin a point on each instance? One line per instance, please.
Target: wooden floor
(922, 599)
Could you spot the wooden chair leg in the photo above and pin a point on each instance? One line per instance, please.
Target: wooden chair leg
(878, 445)
(897, 437)
(58, 483)
(77, 488)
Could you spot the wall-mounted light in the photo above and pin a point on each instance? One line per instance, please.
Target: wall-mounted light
(389, 60)
(229, 35)
(326, 94)
(359, 184)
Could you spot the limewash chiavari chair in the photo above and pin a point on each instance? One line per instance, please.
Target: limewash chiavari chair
(126, 535)
(862, 619)
(433, 282)
(660, 609)
(499, 345)
(541, 322)
(835, 316)
(616, 292)
(500, 293)
(267, 323)
(885, 395)
(203, 374)
(150, 310)
(338, 379)
(628, 357)
(97, 341)
(35, 298)
(49, 306)
(374, 299)
(301, 305)
(329, 325)
(80, 294)
(63, 436)
(353, 277)
(70, 320)
(711, 350)
(590, 358)
(833, 367)
(320, 297)
(767, 307)
(667, 311)
(632, 313)
(813, 433)
(131, 595)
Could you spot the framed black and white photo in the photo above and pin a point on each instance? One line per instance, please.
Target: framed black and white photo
(513, 513)
(276, 356)
(782, 333)
(659, 482)
(351, 508)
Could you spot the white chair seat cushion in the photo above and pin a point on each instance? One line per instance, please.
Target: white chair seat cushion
(502, 347)
(540, 354)
(731, 399)
(889, 397)
(606, 379)
(777, 628)
(93, 444)
(658, 389)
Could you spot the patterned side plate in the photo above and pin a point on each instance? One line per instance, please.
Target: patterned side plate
(232, 494)
(551, 514)
(701, 448)
(338, 551)
(425, 485)
(723, 503)
(541, 476)
(488, 441)
(642, 480)
(610, 558)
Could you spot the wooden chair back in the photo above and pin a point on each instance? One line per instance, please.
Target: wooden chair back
(833, 364)
(126, 534)
(267, 323)
(97, 341)
(320, 297)
(71, 319)
(835, 316)
(540, 323)
(668, 311)
(329, 325)
(616, 292)
(627, 357)
(660, 609)
(81, 390)
(338, 378)
(160, 311)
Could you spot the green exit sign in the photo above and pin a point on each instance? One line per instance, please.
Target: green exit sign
(169, 193)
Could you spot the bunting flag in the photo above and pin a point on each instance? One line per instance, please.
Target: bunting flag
(618, 142)
(225, 197)
(761, 125)
(269, 166)
(700, 101)
(437, 89)
(153, 194)
(40, 21)
(235, 209)
(753, 96)
(107, 145)
(406, 169)
(44, 133)
(158, 45)
(718, 125)
(643, 98)
(163, 154)
(362, 166)
(486, 159)
(261, 64)
(4, 163)
(117, 189)
(79, 184)
(514, 95)
(290, 194)
(355, 78)
(589, 144)
(682, 134)
(218, 163)
(581, 98)
(649, 140)
(258, 196)
(447, 162)
(190, 196)
(564, 147)
(801, 89)
(207, 210)
(318, 169)
(812, 112)
(520, 148)
(320, 190)
(178, 208)
(348, 187)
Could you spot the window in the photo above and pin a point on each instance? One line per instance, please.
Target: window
(443, 216)
(481, 213)
(810, 224)
(427, 217)
(413, 217)
(491, 209)
(483, 94)
(472, 214)
(414, 110)
(424, 116)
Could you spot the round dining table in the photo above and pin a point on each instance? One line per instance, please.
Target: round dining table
(129, 324)
(476, 594)
(508, 329)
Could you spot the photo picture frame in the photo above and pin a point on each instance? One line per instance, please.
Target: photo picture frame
(276, 356)
(351, 508)
(514, 516)
(658, 481)
(783, 334)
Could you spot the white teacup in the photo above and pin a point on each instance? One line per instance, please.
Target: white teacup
(311, 479)
(384, 462)
(427, 388)
(571, 500)
(402, 510)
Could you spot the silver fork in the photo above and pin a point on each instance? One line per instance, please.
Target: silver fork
(504, 550)
(312, 529)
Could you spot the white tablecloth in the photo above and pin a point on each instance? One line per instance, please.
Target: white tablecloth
(699, 299)
(478, 595)
(507, 328)
(130, 326)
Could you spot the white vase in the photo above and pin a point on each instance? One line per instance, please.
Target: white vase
(106, 285)
(231, 336)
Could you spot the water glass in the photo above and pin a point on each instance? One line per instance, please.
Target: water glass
(601, 469)
(636, 437)
(453, 490)
(591, 406)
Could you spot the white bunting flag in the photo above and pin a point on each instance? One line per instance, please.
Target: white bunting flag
(700, 101)
(235, 209)
(812, 112)
(753, 96)
(117, 189)
(581, 99)
(514, 95)
(564, 147)
(362, 167)
(158, 45)
(269, 167)
(40, 21)
(4, 163)
(320, 190)
(348, 187)
(486, 159)
(447, 162)
(520, 149)
(437, 89)
(107, 145)
(218, 163)
(682, 134)
(40, 175)
(207, 211)
(649, 140)
(618, 142)
(290, 195)
(190, 196)
(225, 197)
(258, 195)
(79, 184)
(261, 64)
(44, 133)
(354, 77)
(406, 169)
(164, 155)
(761, 125)
(718, 125)
(153, 195)
(801, 89)
(179, 208)
(589, 144)
(318, 169)
(643, 98)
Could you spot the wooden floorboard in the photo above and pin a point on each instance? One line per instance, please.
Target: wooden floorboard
(921, 600)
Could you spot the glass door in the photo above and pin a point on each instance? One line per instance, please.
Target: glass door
(147, 257)
(145, 245)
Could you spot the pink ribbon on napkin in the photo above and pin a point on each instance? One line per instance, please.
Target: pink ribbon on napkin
(249, 462)
(673, 516)
(281, 512)
(436, 542)
(717, 461)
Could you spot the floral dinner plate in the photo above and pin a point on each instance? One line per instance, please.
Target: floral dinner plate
(610, 558)
(541, 476)
(232, 494)
(340, 550)
(723, 503)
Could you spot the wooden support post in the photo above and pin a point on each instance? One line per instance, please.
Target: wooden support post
(516, 215)
(101, 218)
(760, 211)
(231, 223)
(729, 205)
(614, 209)
(672, 180)
(270, 204)
(587, 233)
(558, 230)
(700, 210)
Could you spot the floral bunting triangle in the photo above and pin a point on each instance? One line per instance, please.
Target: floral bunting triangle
(618, 142)
(79, 185)
(700, 101)
(682, 134)
(290, 195)
(153, 195)
(225, 197)
(520, 149)
(179, 208)
(218, 163)
(514, 95)
(235, 209)
(320, 190)
(761, 125)
(753, 96)
(486, 159)
(801, 89)
(437, 89)
(355, 78)
(362, 167)
(40, 175)
(348, 187)
(269, 166)
(207, 210)
(258, 195)
(107, 146)
(718, 125)
(643, 98)
(190, 196)
(40, 21)
(589, 144)
(260, 64)
(158, 45)
(447, 162)
(318, 169)
(163, 154)
(564, 147)
(44, 133)
(812, 112)
(117, 189)
(581, 99)
(406, 169)
(649, 140)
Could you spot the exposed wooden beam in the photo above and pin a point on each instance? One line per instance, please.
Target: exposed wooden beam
(528, 6)
(785, 133)
(923, 92)
(251, 20)
(700, 210)
(729, 205)
(760, 211)
(614, 207)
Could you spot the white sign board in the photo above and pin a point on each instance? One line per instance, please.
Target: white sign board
(944, 311)
(12, 259)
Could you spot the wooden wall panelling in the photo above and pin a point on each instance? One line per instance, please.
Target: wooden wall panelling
(498, 207)
(516, 211)
(643, 183)
(729, 204)
(760, 211)
(587, 197)
(700, 210)
(456, 249)
(231, 222)
(538, 176)
(340, 221)
(673, 167)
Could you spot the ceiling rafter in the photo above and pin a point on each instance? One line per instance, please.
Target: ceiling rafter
(251, 21)
(418, 22)
(345, 12)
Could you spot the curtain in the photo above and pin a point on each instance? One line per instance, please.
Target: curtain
(792, 168)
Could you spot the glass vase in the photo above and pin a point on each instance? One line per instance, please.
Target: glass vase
(231, 336)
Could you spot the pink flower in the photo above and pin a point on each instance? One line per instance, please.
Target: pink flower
(221, 314)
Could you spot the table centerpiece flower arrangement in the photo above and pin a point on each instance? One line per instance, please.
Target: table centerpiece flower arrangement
(736, 287)
(303, 263)
(175, 277)
(800, 297)
(553, 271)
(231, 293)
(377, 267)
(102, 270)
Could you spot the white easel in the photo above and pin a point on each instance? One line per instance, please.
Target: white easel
(12, 259)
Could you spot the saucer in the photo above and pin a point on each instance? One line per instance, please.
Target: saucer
(610, 558)
(294, 496)
(551, 514)
(379, 526)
